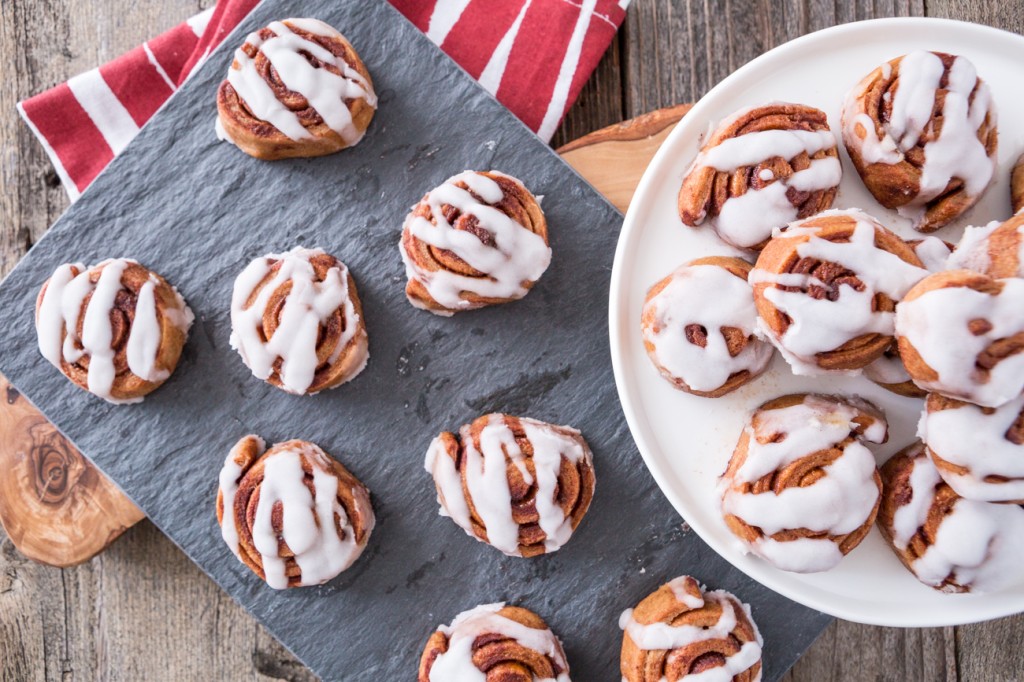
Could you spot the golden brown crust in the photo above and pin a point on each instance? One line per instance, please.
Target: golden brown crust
(662, 606)
(705, 190)
(352, 496)
(1017, 185)
(169, 312)
(501, 658)
(517, 202)
(574, 491)
(1004, 249)
(735, 339)
(781, 256)
(896, 185)
(261, 139)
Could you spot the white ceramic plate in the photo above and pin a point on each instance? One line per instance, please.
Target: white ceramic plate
(686, 441)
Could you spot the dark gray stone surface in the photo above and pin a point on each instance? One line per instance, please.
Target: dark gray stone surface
(196, 211)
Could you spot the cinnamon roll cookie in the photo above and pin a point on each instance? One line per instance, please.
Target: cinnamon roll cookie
(996, 249)
(682, 632)
(978, 451)
(761, 168)
(961, 334)
(297, 322)
(477, 240)
(947, 542)
(292, 514)
(115, 329)
(801, 489)
(921, 132)
(518, 484)
(826, 288)
(698, 327)
(494, 642)
(295, 88)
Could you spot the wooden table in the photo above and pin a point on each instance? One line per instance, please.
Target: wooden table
(141, 610)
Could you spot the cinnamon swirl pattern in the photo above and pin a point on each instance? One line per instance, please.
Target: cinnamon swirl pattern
(494, 642)
(1017, 185)
(978, 451)
(961, 334)
(292, 514)
(826, 288)
(681, 632)
(801, 489)
(295, 88)
(698, 327)
(921, 132)
(761, 168)
(997, 249)
(946, 541)
(518, 484)
(477, 240)
(115, 329)
(297, 322)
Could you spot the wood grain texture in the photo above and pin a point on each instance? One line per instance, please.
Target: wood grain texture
(141, 610)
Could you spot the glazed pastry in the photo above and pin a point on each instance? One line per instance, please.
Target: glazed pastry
(292, 514)
(518, 484)
(801, 489)
(494, 642)
(478, 239)
(979, 451)
(297, 322)
(115, 329)
(997, 249)
(295, 88)
(698, 327)
(889, 373)
(961, 334)
(921, 131)
(933, 252)
(947, 542)
(761, 168)
(681, 632)
(1017, 185)
(826, 287)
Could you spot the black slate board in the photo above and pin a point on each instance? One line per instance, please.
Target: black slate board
(197, 211)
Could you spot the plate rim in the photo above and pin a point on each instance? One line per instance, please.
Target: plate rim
(619, 326)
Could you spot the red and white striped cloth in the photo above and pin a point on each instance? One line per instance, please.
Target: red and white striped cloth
(533, 55)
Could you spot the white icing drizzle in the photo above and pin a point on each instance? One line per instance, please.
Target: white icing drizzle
(325, 91)
(487, 481)
(519, 256)
(971, 252)
(967, 437)
(308, 520)
(59, 311)
(308, 306)
(679, 591)
(748, 219)
(837, 503)
(456, 664)
(978, 543)
(713, 297)
(820, 325)
(933, 252)
(956, 152)
(665, 636)
(230, 475)
(935, 324)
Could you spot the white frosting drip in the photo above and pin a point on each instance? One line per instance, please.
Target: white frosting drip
(456, 664)
(678, 587)
(518, 258)
(933, 252)
(978, 543)
(57, 324)
(308, 524)
(820, 325)
(967, 437)
(230, 475)
(748, 219)
(935, 324)
(665, 636)
(714, 298)
(326, 92)
(971, 252)
(837, 503)
(487, 480)
(308, 306)
(956, 152)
